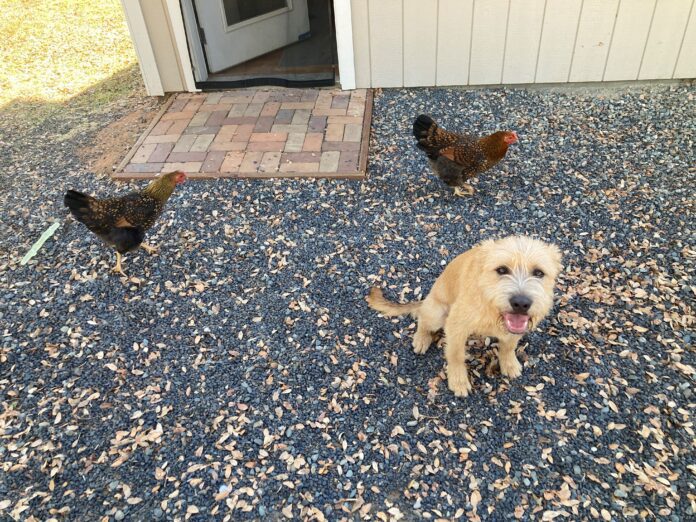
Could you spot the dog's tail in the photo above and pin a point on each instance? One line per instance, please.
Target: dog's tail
(376, 301)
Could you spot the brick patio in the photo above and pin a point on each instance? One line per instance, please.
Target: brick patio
(256, 133)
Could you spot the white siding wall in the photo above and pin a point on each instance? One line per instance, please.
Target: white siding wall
(477, 42)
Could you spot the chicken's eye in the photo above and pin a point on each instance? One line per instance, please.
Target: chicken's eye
(538, 273)
(502, 270)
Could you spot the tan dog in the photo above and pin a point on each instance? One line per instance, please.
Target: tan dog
(500, 288)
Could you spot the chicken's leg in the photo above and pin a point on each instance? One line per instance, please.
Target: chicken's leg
(460, 191)
(149, 249)
(118, 268)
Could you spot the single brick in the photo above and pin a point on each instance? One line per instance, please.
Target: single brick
(184, 143)
(353, 132)
(329, 112)
(143, 153)
(243, 132)
(301, 117)
(178, 127)
(269, 162)
(232, 161)
(202, 142)
(300, 157)
(213, 161)
(237, 98)
(329, 161)
(288, 128)
(240, 120)
(334, 132)
(182, 157)
(216, 107)
(264, 146)
(260, 97)
(202, 130)
(182, 115)
(268, 136)
(264, 124)
(313, 142)
(270, 109)
(161, 128)
(300, 167)
(213, 97)
(317, 124)
(348, 161)
(143, 167)
(340, 101)
(251, 161)
(193, 105)
(199, 119)
(216, 118)
(228, 145)
(284, 116)
(297, 105)
(254, 109)
(340, 145)
(161, 152)
(225, 134)
(238, 109)
(294, 142)
(188, 166)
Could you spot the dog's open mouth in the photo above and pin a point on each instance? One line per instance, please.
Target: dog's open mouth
(516, 323)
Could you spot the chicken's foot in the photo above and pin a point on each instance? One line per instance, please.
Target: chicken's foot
(464, 190)
(118, 268)
(149, 249)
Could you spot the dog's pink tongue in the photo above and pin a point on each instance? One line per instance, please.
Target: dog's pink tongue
(516, 323)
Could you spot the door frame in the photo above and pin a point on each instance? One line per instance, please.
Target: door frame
(188, 50)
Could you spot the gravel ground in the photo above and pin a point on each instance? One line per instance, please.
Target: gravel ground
(239, 374)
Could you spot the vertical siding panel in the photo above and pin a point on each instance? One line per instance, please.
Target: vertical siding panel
(361, 43)
(386, 42)
(522, 43)
(420, 42)
(628, 42)
(686, 64)
(664, 40)
(488, 41)
(558, 40)
(592, 44)
(454, 41)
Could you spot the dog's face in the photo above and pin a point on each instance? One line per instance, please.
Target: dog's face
(518, 278)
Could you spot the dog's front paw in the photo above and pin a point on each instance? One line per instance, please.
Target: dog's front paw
(421, 343)
(510, 367)
(458, 382)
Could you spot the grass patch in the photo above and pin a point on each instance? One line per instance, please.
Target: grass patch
(52, 50)
(63, 58)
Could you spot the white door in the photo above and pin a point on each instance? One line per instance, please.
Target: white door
(235, 31)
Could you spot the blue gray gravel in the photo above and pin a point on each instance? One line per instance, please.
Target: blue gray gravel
(239, 374)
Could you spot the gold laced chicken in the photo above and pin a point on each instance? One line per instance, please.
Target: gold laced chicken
(456, 158)
(121, 222)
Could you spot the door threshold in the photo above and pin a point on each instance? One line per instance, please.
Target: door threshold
(261, 82)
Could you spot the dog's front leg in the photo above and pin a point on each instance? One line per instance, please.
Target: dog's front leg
(455, 353)
(509, 365)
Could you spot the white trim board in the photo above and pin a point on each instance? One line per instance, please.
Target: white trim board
(344, 43)
(143, 47)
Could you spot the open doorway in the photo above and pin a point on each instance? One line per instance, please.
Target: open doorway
(242, 43)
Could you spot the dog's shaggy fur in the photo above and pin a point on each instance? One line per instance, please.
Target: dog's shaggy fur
(501, 288)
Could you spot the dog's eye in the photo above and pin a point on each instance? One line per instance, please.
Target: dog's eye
(538, 273)
(502, 270)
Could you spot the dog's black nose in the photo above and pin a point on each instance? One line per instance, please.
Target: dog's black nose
(520, 303)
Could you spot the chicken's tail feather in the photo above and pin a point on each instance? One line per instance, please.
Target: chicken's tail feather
(377, 301)
(81, 206)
